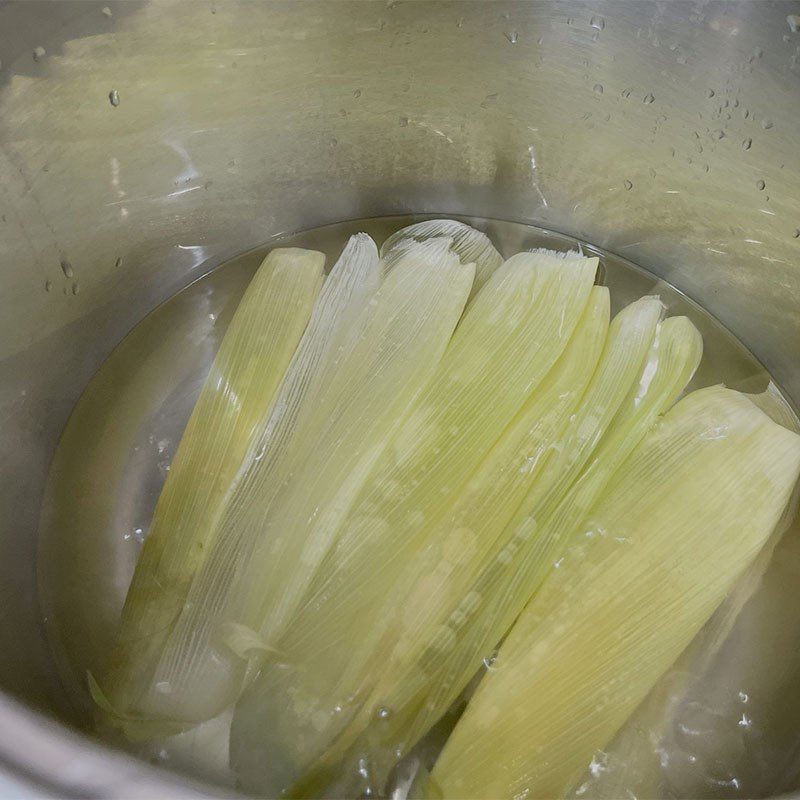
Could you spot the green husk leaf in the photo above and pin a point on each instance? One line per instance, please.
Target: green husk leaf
(511, 336)
(503, 581)
(427, 290)
(471, 246)
(540, 536)
(632, 761)
(355, 396)
(678, 524)
(440, 574)
(241, 385)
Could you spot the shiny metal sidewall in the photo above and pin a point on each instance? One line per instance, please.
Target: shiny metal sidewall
(141, 143)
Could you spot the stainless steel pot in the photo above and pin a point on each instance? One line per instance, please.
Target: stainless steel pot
(142, 143)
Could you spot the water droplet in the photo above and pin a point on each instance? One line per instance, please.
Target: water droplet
(460, 22)
(796, 234)
(540, 41)
(118, 262)
(511, 36)
(794, 22)
(626, 93)
(356, 93)
(66, 268)
(39, 53)
(48, 285)
(709, 93)
(491, 660)
(107, 11)
(598, 22)
(76, 287)
(137, 534)
(384, 712)
(761, 185)
(747, 144)
(598, 88)
(113, 97)
(766, 124)
(652, 172)
(628, 185)
(706, 168)
(569, 20)
(718, 134)
(745, 113)
(403, 122)
(648, 98)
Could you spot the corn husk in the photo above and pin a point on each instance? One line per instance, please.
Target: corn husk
(345, 401)
(644, 367)
(678, 524)
(511, 336)
(635, 761)
(431, 286)
(434, 650)
(471, 246)
(232, 405)
(432, 670)
(539, 535)
(440, 574)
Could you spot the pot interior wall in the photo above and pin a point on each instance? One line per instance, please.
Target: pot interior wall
(143, 143)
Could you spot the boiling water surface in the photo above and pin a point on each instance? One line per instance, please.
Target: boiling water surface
(735, 732)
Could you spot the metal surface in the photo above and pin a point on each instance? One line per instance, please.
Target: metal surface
(141, 143)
